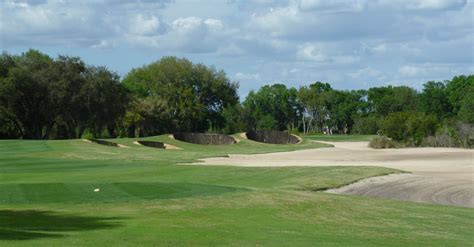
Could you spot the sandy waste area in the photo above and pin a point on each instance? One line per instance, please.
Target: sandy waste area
(436, 175)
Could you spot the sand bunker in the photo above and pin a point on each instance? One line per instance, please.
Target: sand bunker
(272, 137)
(451, 168)
(155, 144)
(105, 143)
(410, 187)
(205, 139)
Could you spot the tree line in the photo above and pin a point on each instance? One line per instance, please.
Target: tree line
(59, 98)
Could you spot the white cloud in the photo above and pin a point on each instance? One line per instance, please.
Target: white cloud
(368, 73)
(258, 41)
(411, 71)
(311, 52)
(425, 4)
(320, 53)
(143, 25)
(380, 48)
(214, 24)
(333, 5)
(240, 76)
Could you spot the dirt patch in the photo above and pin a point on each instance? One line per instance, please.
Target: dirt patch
(205, 139)
(105, 143)
(272, 137)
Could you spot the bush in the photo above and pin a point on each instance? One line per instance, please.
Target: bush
(409, 127)
(87, 134)
(366, 126)
(381, 142)
(452, 135)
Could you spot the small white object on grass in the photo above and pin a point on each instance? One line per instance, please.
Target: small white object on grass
(96, 190)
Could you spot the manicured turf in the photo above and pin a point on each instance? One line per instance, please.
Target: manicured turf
(47, 198)
(341, 138)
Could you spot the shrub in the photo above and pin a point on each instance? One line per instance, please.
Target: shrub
(394, 126)
(87, 134)
(409, 127)
(381, 142)
(366, 126)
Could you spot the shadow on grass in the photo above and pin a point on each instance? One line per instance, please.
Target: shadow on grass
(34, 224)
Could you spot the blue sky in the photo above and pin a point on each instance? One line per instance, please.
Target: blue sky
(351, 43)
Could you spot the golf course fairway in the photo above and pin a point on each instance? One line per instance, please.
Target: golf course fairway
(72, 192)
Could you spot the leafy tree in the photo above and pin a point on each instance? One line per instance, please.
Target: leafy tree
(342, 107)
(41, 97)
(26, 95)
(312, 99)
(434, 99)
(385, 100)
(233, 117)
(272, 107)
(192, 95)
(409, 127)
(460, 92)
(103, 98)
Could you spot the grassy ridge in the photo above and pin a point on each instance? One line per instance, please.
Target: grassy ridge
(145, 199)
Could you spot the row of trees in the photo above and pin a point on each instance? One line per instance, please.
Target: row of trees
(46, 98)
(441, 114)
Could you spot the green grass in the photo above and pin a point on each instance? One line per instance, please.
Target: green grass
(341, 138)
(147, 199)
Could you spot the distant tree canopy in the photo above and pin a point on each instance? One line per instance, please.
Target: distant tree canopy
(53, 98)
(175, 95)
(42, 98)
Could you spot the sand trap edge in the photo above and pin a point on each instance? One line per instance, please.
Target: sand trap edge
(103, 143)
(166, 145)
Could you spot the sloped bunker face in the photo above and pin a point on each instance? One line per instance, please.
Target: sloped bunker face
(152, 144)
(272, 137)
(105, 143)
(205, 139)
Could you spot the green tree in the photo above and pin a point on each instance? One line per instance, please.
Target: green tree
(272, 107)
(409, 127)
(193, 95)
(26, 95)
(312, 99)
(434, 99)
(41, 97)
(385, 100)
(460, 92)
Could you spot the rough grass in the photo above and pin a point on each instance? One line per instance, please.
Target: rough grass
(145, 199)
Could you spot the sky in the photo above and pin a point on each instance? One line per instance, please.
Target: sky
(352, 44)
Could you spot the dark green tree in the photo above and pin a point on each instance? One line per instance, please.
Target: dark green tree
(193, 96)
(434, 99)
(272, 107)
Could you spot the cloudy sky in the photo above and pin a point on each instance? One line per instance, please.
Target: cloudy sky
(350, 43)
